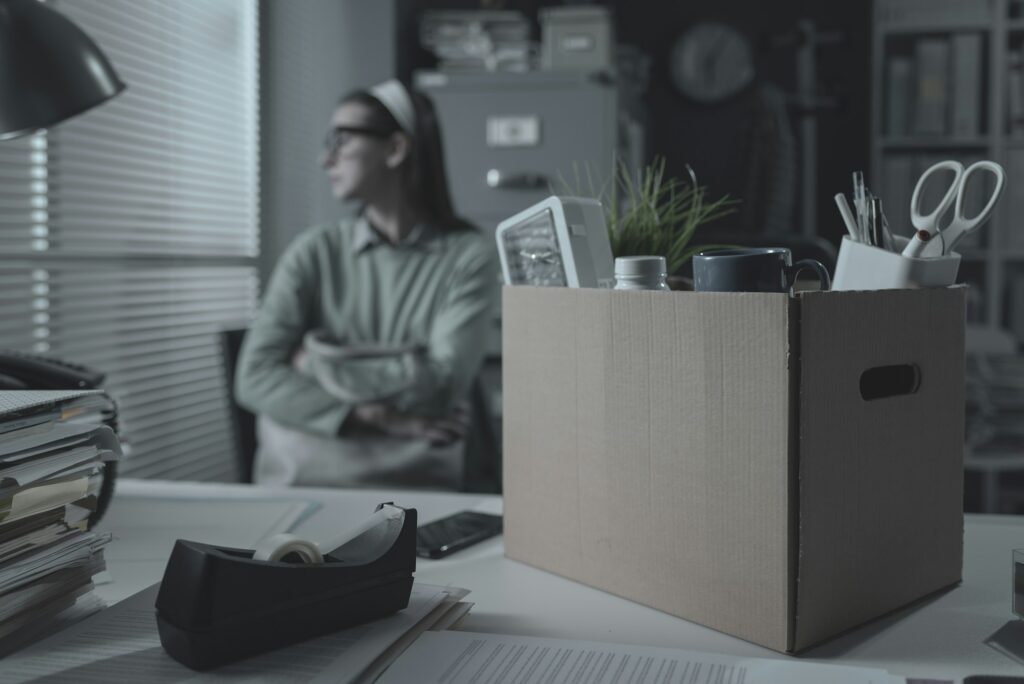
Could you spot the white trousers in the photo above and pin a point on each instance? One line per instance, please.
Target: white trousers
(286, 456)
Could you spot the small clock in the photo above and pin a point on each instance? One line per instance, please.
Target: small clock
(711, 62)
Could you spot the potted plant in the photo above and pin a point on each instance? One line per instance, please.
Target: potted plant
(649, 214)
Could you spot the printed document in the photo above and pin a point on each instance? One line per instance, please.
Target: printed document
(469, 657)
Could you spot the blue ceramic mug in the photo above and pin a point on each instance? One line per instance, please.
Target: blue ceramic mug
(752, 269)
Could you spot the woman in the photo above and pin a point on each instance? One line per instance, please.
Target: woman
(372, 329)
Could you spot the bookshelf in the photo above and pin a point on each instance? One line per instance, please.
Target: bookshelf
(948, 82)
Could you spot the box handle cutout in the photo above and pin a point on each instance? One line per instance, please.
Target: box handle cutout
(889, 381)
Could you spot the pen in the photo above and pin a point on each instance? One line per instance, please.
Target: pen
(858, 205)
(875, 216)
(888, 242)
(848, 220)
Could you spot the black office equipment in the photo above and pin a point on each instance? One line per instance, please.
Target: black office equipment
(455, 532)
(19, 370)
(51, 69)
(217, 605)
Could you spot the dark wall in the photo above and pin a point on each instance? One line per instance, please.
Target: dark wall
(715, 139)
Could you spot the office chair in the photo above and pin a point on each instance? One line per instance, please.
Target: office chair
(244, 422)
(481, 456)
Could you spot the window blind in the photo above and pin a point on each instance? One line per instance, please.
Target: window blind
(129, 235)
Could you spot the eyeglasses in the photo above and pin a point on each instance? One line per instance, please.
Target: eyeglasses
(339, 135)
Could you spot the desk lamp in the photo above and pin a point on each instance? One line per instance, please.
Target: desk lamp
(49, 69)
(559, 242)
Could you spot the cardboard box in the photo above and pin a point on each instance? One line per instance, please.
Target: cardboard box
(711, 454)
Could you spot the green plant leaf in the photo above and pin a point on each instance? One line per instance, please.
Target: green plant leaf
(648, 212)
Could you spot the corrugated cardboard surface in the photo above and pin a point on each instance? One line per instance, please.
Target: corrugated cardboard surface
(881, 481)
(647, 439)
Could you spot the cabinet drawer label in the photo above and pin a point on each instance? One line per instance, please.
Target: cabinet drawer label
(513, 131)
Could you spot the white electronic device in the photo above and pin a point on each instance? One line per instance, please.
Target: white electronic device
(559, 242)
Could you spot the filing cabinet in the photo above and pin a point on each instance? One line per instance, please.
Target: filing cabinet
(512, 139)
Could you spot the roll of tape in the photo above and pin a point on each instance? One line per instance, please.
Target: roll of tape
(288, 548)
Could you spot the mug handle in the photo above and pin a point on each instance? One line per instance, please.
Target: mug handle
(819, 269)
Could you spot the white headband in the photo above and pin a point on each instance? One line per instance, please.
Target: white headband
(395, 98)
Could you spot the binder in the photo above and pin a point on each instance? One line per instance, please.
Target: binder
(967, 77)
(932, 88)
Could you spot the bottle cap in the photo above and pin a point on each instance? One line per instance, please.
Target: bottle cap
(645, 266)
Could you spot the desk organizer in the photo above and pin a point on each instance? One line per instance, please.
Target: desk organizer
(864, 267)
(217, 604)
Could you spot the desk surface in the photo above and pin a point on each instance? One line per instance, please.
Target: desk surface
(941, 637)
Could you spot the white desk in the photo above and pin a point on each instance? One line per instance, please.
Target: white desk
(941, 637)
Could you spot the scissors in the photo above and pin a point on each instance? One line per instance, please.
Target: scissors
(960, 226)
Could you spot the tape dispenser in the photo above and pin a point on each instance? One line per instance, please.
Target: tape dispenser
(218, 604)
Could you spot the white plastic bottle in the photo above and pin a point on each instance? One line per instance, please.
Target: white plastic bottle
(641, 273)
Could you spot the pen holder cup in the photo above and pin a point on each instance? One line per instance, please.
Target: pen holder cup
(863, 267)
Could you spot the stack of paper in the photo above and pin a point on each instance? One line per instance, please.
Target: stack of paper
(121, 644)
(53, 449)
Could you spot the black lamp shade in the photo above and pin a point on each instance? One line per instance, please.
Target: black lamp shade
(49, 69)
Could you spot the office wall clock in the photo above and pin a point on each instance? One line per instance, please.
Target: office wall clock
(711, 62)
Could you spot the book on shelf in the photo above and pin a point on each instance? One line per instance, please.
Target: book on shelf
(1012, 236)
(1015, 92)
(967, 79)
(1015, 306)
(931, 96)
(54, 446)
(899, 87)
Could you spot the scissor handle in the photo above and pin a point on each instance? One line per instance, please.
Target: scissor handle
(970, 224)
(930, 222)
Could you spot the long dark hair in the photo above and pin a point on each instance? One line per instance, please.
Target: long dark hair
(424, 167)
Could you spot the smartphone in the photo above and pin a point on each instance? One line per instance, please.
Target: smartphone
(446, 536)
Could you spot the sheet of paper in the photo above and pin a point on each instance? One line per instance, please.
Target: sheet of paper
(47, 587)
(33, 539)
(87, 604)
(453, 616)
(466, 657)
(42, 613)
(121, 644)
(73, 550)
(35, 441)
(42, 497)
(32, 470)
(370, 673)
